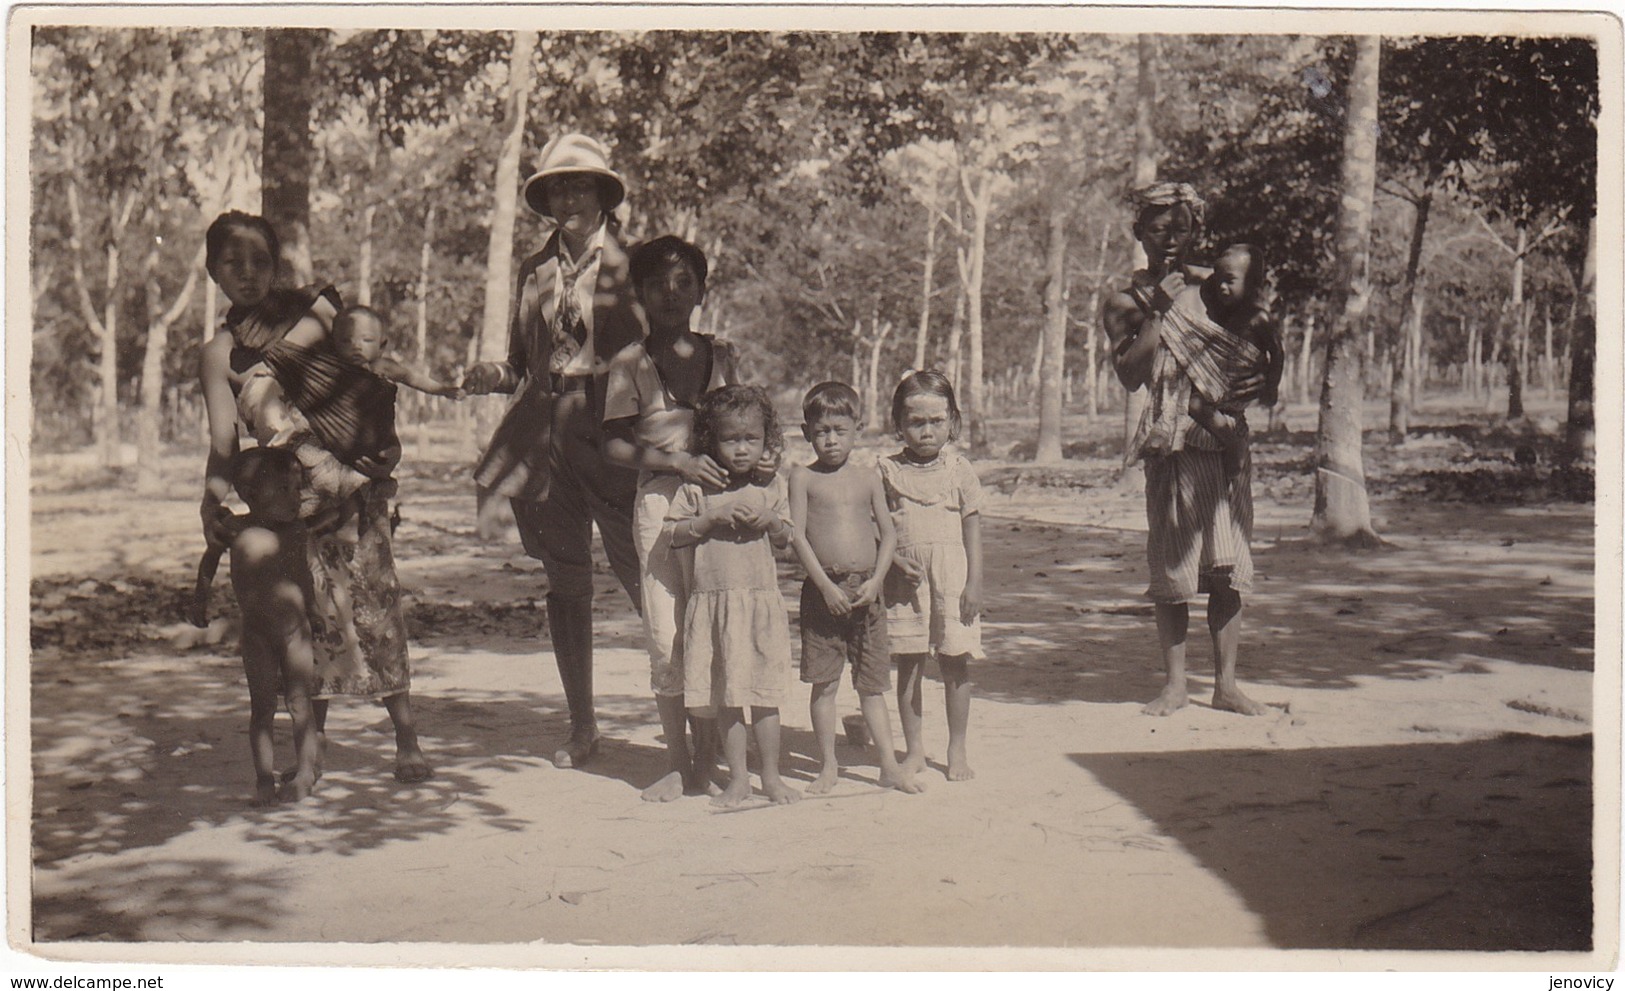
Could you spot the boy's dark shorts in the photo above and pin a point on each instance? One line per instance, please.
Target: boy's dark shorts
(828, 641)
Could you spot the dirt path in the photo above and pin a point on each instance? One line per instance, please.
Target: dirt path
(1424, 782)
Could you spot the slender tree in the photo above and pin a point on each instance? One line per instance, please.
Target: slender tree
(1342, 510)
(493, 334)
(288, 150)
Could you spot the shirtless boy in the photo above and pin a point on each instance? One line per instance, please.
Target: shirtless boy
(272, 580)
(844, 537)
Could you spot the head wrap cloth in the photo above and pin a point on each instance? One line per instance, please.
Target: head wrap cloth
(1166, 194)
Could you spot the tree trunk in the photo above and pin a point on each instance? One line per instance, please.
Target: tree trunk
(1145, 172)
(973, 400)
(493, 336)
(1548, 364)
(149, 438)
(1498, 333)
(1399, 407)
(421, 353)
(1306, 356)
(363, 274)
(1417, 355)
(1470, 369)
(287, 149)
(956, 339)
(104, 425)
(1342, 510)
(924, 331)
(1580, 432)
(1519, 328)
(1092, 320)
(107, 421)
(1052, 343)
(877, 400)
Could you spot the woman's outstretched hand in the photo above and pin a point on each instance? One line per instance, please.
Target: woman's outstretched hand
(700, 469)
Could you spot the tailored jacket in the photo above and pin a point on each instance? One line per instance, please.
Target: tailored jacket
(515, 462)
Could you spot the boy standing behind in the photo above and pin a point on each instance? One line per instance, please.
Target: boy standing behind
(844, 537)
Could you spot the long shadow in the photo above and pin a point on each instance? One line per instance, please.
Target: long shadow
(1484, 845)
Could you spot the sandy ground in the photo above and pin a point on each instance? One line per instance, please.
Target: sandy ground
(1424, 779)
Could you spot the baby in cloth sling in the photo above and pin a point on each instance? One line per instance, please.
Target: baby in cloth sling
(1215, 339)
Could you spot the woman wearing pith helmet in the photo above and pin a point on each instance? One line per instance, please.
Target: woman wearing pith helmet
(576, 311)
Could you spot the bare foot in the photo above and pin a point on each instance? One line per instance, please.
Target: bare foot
(1234, 701)
(1170, 701)
(912, 763)
(902, 779)
(580, 748)
(411, 767)
(702, 781)
(825, 782)
(265, 791)
(958, 766)
(667, 789)
(297, 788)
(781, 793)
(733, 796)
(288, 775)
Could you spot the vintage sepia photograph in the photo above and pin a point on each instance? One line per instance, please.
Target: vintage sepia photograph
(708, 488)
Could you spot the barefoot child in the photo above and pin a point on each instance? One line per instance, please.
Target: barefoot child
(934, 590)
(845, 539)
(271, 576)
(653, 387)
(736, 632)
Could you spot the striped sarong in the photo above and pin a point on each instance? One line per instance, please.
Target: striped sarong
(1199, 524)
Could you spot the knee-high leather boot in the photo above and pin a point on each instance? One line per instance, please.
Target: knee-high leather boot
(569, 620)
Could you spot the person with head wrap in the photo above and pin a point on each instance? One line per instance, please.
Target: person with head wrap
(1199, 517)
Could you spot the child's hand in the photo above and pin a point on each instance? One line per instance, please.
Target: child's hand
(911, 570)
(482, 378)
(454, 392)
(754, 518)
(220, 525)
(970, 603)
(382, 465)
(869, 591)
(836, 600)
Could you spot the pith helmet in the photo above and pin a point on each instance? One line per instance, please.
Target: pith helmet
(574, 153)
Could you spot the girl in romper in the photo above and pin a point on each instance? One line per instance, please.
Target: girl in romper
(736, 631)
(934, 590)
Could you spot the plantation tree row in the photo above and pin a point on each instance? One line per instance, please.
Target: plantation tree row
(869, 202)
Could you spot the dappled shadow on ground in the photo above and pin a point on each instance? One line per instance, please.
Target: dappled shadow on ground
(1483, 845)
(201, 897)
(1502, 584)
(141, 769)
